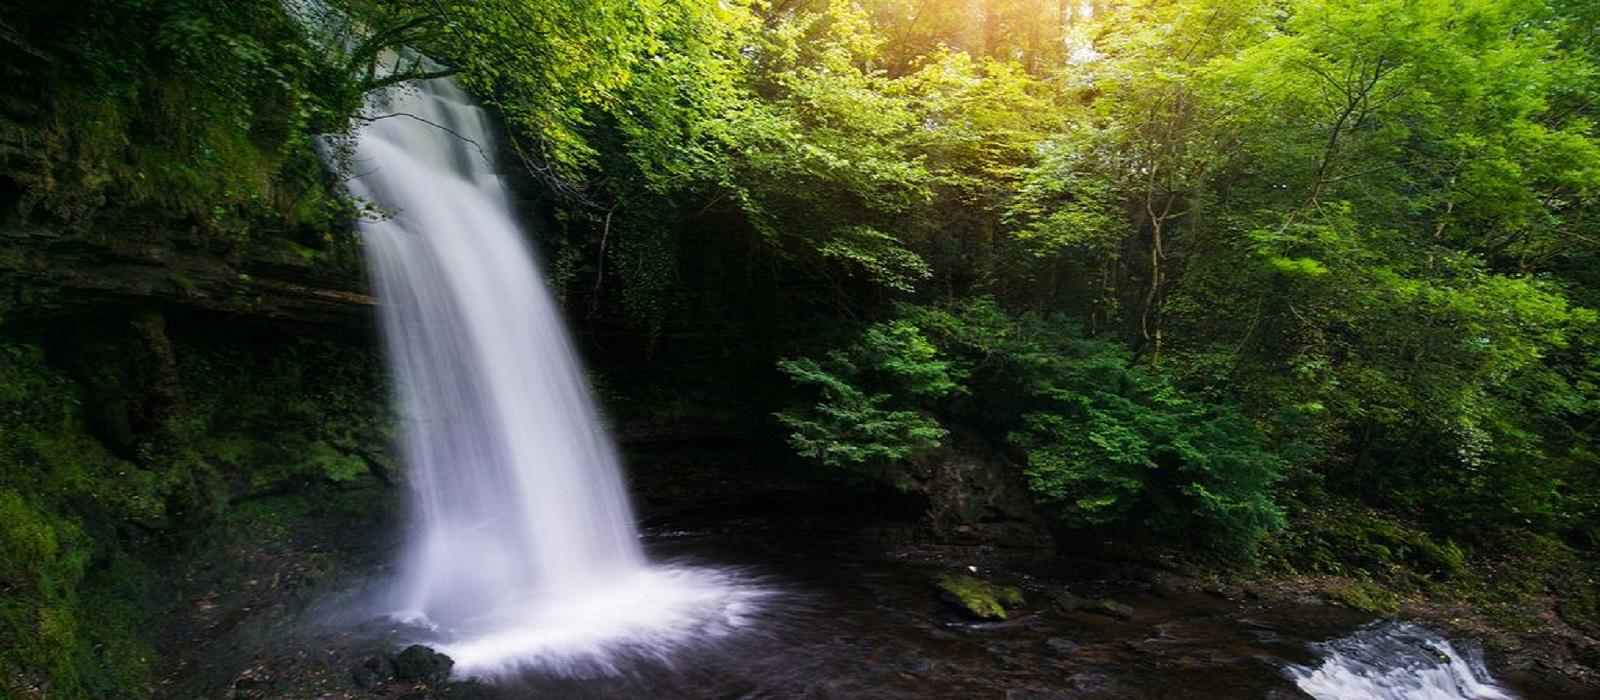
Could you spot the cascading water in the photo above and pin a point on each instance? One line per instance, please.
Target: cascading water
(524, 554)
(1397, 661)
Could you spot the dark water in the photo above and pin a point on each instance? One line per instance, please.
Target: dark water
(854, 616)
(858, 618)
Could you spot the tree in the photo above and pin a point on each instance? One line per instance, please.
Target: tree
(1128, 184)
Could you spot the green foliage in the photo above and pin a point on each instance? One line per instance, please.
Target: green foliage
(282, 417)
(1351, 243)
(1362, 219)
(553, 65)
(1105, 441)
(1373, 560)
(1365, 596)
(871, 413)
(1027, 33)
(196, 112)
(1334, 538)
(657, 120)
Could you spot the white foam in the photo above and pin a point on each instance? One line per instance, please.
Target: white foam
(651, 614)
(1397, 661)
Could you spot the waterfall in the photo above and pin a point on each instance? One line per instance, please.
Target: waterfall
(1397, 661)
(518, 491)
(524, 553)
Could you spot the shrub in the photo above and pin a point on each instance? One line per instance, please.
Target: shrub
(872, 410)
(1104, 440)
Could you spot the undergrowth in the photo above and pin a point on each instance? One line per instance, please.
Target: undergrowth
(1379, 562)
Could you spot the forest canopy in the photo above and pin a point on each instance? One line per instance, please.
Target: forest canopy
(1363, 231)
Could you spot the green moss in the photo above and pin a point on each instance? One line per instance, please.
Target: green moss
(257, 436)
(280, 416)
(1363, 595)
(1520, 576)
(976, 597)
(72, 607)
(198, 112)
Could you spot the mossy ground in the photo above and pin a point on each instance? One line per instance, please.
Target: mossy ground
(113, 479)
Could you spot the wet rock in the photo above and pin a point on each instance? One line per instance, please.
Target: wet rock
(976, 597)
(1007, 655)
(1066, 602)
(372, 672)
(1168, 585)
(254, 683)
(1062, 646)
(1010, 596)
(420, 664)
(977, 495)
(918, 666)
(1094, 683)
(151, 263)
(1109, 608)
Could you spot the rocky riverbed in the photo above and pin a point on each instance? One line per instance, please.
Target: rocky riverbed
(855, 614)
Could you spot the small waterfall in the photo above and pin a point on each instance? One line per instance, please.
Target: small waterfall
(1397, 661)
(524, 554)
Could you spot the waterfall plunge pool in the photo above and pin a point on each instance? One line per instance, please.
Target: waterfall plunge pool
(848, 613)
(857, 618)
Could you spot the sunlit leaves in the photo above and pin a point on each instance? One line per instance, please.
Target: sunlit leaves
(876, 252)
(554, 64)
(1381, 194)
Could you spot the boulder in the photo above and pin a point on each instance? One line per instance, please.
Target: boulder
(1061, 646)
(1109, 608)
(977, 495)
(372, 671)
(1066, 602)
(977, 598)
(420, 664)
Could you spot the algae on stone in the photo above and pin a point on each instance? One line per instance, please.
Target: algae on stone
(976, 597)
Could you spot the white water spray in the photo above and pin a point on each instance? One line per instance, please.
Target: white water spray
(1397, 661)
(524, 554)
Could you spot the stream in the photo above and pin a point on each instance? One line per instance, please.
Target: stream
(851, 614)
(846, 611)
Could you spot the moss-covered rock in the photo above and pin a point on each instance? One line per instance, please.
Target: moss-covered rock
(978, 598)
(1066, 602)
(122, 446)
(1365, 596)
(73, 603)
(421, 664)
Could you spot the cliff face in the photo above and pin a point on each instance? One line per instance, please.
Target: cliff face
(55, 272)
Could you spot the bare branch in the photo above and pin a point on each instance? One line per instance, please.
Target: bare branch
(476, 146)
